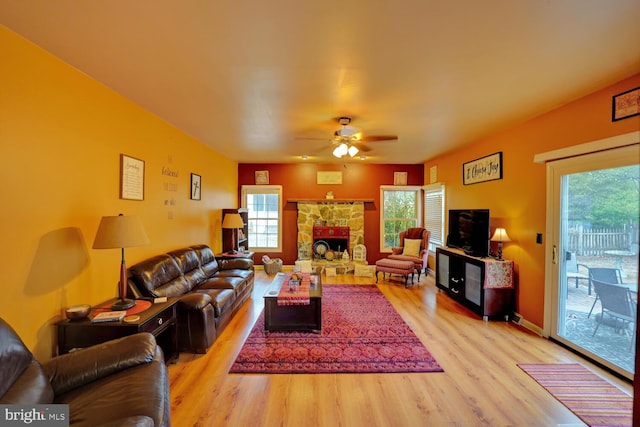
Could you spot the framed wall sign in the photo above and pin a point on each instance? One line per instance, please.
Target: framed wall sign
(329, 177)
(400, 178)
(262, 177)
(131, 178)
(626, 104)
(196, 187)
(486, 168)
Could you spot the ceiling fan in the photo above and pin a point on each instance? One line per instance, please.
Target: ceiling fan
(348, 133)
(348, 139)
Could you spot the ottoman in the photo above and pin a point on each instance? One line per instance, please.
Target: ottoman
(393, 266)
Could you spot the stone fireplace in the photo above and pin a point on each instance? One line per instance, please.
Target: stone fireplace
(335, 216)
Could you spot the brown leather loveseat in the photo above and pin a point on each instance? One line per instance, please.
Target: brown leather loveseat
(122, 382)
(210, 291)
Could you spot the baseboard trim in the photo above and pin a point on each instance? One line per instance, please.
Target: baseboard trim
(531, 326)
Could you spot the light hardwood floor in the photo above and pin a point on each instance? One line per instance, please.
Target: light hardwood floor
(481, 384)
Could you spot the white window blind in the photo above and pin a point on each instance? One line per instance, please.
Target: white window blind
(434, 214)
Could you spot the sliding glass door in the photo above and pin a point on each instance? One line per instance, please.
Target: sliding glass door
(595, 214)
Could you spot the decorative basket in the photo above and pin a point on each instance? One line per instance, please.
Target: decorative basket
(272, 266)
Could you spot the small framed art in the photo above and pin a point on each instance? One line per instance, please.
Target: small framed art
(400, 178)
(626, 104)
(131, 178)
(196, 187)
(262, 177)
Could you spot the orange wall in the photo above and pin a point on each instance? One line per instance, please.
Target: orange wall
(518, 201)
(359, 181)
(61, 134)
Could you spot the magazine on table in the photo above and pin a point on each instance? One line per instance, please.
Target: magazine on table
(109, 316)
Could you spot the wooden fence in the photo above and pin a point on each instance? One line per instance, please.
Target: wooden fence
(586, 241)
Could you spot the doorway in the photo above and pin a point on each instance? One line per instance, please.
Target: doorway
(593, 214)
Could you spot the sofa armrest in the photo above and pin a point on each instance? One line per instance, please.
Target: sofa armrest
(80, 367)
(396, 251)
(135, 421)
(240, 263)
(194, 301)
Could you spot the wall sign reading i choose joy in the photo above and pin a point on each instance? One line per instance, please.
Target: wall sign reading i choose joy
(483, 169)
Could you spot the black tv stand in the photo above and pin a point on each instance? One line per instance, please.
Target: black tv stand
(484, 285)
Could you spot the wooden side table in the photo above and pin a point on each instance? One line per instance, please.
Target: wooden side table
(159, 319)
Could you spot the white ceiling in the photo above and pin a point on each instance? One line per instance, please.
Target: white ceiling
(253, 79)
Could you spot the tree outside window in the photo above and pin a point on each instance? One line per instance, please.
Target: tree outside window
(401, 209)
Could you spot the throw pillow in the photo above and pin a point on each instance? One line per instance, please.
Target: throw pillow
(412, 247)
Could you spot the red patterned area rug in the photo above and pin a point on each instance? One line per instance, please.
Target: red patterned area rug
(361, 332)
(596, 401)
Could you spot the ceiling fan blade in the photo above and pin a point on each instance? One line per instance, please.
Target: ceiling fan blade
(379, 138)
(311, 138)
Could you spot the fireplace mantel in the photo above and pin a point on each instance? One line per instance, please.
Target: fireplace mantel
(329, 200)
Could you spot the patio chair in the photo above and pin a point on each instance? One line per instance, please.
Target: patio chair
(574, 270)
(603, 274)
(618, 308)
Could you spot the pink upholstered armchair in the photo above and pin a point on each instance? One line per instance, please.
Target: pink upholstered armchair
(414, 246)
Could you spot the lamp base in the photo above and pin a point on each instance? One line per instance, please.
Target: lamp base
(123, 304)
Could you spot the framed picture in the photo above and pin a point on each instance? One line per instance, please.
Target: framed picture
(626, 104)
(486, 168)
(131, 178)
(329, 177)
(400, 178)
(262, 177)
(196, 187)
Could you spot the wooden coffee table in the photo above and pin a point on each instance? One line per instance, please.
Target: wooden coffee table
(292, 317)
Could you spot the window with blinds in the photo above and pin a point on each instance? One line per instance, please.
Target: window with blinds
(434, 214)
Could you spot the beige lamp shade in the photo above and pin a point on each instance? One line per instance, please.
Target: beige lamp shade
(232, 220)
(120, 232)
(500, 235)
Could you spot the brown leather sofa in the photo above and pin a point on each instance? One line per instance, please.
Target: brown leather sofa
(210, 291)
(122, 382)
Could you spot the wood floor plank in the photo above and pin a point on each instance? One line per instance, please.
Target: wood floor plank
(481, 385)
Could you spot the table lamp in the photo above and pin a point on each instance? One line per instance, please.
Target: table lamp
(500, 235)
(233, 221)
(120, 232)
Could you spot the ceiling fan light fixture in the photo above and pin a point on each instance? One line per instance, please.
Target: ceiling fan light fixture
(341, 150)
(353, 150)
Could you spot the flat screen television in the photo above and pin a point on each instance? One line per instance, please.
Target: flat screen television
(469, 230)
